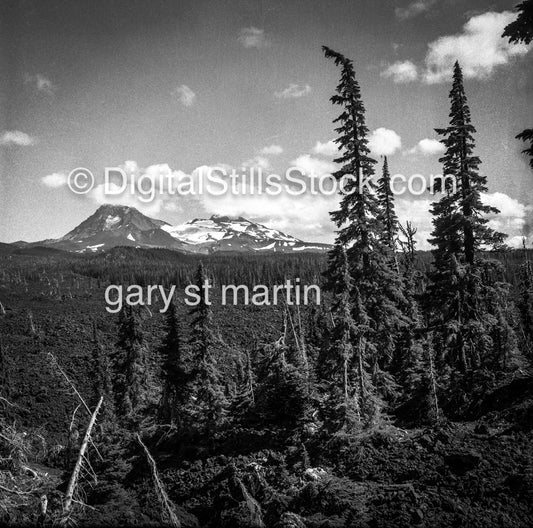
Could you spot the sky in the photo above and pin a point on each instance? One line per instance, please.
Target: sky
(164, 88)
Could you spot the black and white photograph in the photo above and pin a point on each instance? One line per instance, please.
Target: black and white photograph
(266, 263)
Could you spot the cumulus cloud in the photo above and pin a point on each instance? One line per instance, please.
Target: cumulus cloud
(16, 137)
(418, 213)
(514, 218)
(510, 208)
(384, 142)
(253, 37)
(271, 150)
(293, 91)
(479, 48)
(184, 95)
(309, 165)
(427, 147)
(40, 83)
(305, 215)
(260, 162)
(159, 177)
(54, 180)
(401, 72)
(511, 219)
(414, 9)
(328, 149)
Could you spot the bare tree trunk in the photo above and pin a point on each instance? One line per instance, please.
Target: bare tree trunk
(32, 325)
(432, 379)
(168, 508)
(75, 474)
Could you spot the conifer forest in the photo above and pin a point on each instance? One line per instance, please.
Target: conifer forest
(404, 398)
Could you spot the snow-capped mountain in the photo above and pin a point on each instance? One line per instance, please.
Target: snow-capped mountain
(117, 225)
(224, 233)
(111, 226)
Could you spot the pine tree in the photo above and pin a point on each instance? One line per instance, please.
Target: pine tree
(526, 299)
(466, 292)
(527, 136)
(387, 216)
(376, 297)
(282, 395)
(521, 31)
(409, 364)
(468, 213)
(207, 386)
(346, 370)
(131, 364)
(174, 371)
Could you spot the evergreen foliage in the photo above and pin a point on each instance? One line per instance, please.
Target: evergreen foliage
(175, 372)
(521, 31)
(208, 390)
(131, 366)
(376, 299)
(467, 295)
(387, 216)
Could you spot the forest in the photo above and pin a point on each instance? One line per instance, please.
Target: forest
(404, 399)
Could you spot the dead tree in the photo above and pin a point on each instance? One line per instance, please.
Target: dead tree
(166, 504)
(69, 498)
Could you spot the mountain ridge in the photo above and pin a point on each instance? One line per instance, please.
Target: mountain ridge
(119, 225)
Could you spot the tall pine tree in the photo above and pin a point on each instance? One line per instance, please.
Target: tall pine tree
(467, 293)
(174, 371)
(207, 386)
(376, 297)
(387, 216)
(131, 364)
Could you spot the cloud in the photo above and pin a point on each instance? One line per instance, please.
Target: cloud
(328, 149)
(479, 48)
(508, 207)
(54, 180)
(309, 165)
(185, 95)
(401, 72)
(252, 37)
(418, 213)
(40, 83)
(293, 90)
(414, 9)
(427, 147)
(16, 137)
(511, 219)
(384, 142)
(259, 162)
(161, 177)
(271, 150)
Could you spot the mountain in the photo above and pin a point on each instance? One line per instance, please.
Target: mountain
(115, 225)
(118, 225)
(225, 233)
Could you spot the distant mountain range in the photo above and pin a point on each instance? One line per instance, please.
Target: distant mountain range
(117, 225)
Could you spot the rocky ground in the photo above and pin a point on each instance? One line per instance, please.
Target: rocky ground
(474, 473)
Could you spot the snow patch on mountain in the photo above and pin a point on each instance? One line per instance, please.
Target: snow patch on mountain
(224, 228)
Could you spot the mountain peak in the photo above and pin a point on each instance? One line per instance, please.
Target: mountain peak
(112, 221)
(121, 225)
(228, 218)
(104, 208)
